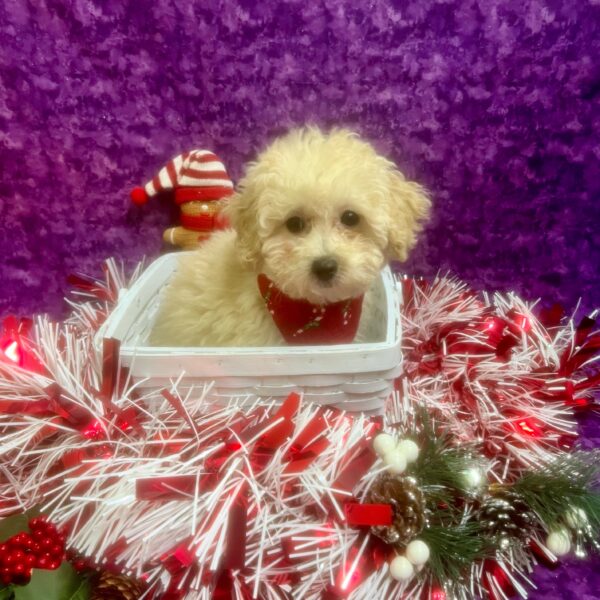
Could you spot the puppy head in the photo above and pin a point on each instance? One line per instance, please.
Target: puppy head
(320, 214)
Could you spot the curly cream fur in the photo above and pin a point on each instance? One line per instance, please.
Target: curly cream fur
(213, 299)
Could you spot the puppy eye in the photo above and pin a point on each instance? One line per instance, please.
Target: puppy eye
(350, 218)
(295, 224)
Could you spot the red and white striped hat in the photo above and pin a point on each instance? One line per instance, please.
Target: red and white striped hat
(196, 175)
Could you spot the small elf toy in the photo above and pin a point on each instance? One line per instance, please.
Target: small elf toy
(200, 183)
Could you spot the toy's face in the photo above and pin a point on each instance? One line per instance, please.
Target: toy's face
(320, 214)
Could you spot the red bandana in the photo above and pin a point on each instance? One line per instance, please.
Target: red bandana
(301, 322)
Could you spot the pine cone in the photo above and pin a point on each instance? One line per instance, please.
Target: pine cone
(505, 515)
(408, 504)
(110, 586)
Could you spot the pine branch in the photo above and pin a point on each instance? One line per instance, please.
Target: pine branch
(566, 484)
(440, 468)
(454, 549)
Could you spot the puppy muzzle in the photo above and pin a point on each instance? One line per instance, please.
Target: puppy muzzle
(324, 268)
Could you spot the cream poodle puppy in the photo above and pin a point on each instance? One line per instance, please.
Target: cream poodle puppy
(319, 214)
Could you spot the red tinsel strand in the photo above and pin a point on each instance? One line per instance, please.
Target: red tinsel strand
(493, 373)
(490, 372)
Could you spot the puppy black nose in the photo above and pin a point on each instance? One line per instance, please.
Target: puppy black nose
(324, 268)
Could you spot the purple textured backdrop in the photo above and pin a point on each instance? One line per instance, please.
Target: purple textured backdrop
(492, 104)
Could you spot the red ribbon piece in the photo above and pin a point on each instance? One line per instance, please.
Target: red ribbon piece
(178, 558)
(16, 347)
(278, 434)
(113, 382)
(585, 327)
(177, 404)
(114, 550)
(315, 427)
(551, 317)
(352, 474)
(24, 407)
(110, 368)
(235, 553)
(543, 555)
(586, 346)
(494, 579)
(308, 444)
(368, 515)
(91, 286)
(301, 460)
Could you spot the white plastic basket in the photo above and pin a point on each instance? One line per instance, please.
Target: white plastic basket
(353, 377)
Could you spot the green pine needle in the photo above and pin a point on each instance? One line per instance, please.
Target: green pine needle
(454, 549)
(442, 472)
(440, 468)
(567, 483)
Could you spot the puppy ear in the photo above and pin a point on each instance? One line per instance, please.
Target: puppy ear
(409, 208)
(241, 211)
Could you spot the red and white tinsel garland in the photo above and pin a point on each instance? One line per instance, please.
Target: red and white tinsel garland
(492, 372)
(254, 500)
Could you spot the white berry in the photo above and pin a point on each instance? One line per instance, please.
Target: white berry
(409, 449)
(559, 542)
(576, 517)
(473, 477)
(395, 462)
(401, 568)
(383, 443)
(417, 552)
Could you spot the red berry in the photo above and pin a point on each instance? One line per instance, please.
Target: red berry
(28, 543)
(9, 559)
(79, 565)
(6, 578)
(46, 543)
(54, 564)
(3, 548)
(21, 574)
(19, 539)
(38, 533)
(41, 562)
(35, 548)
(30, 560)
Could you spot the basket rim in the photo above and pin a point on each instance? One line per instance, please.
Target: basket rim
(156, 270)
